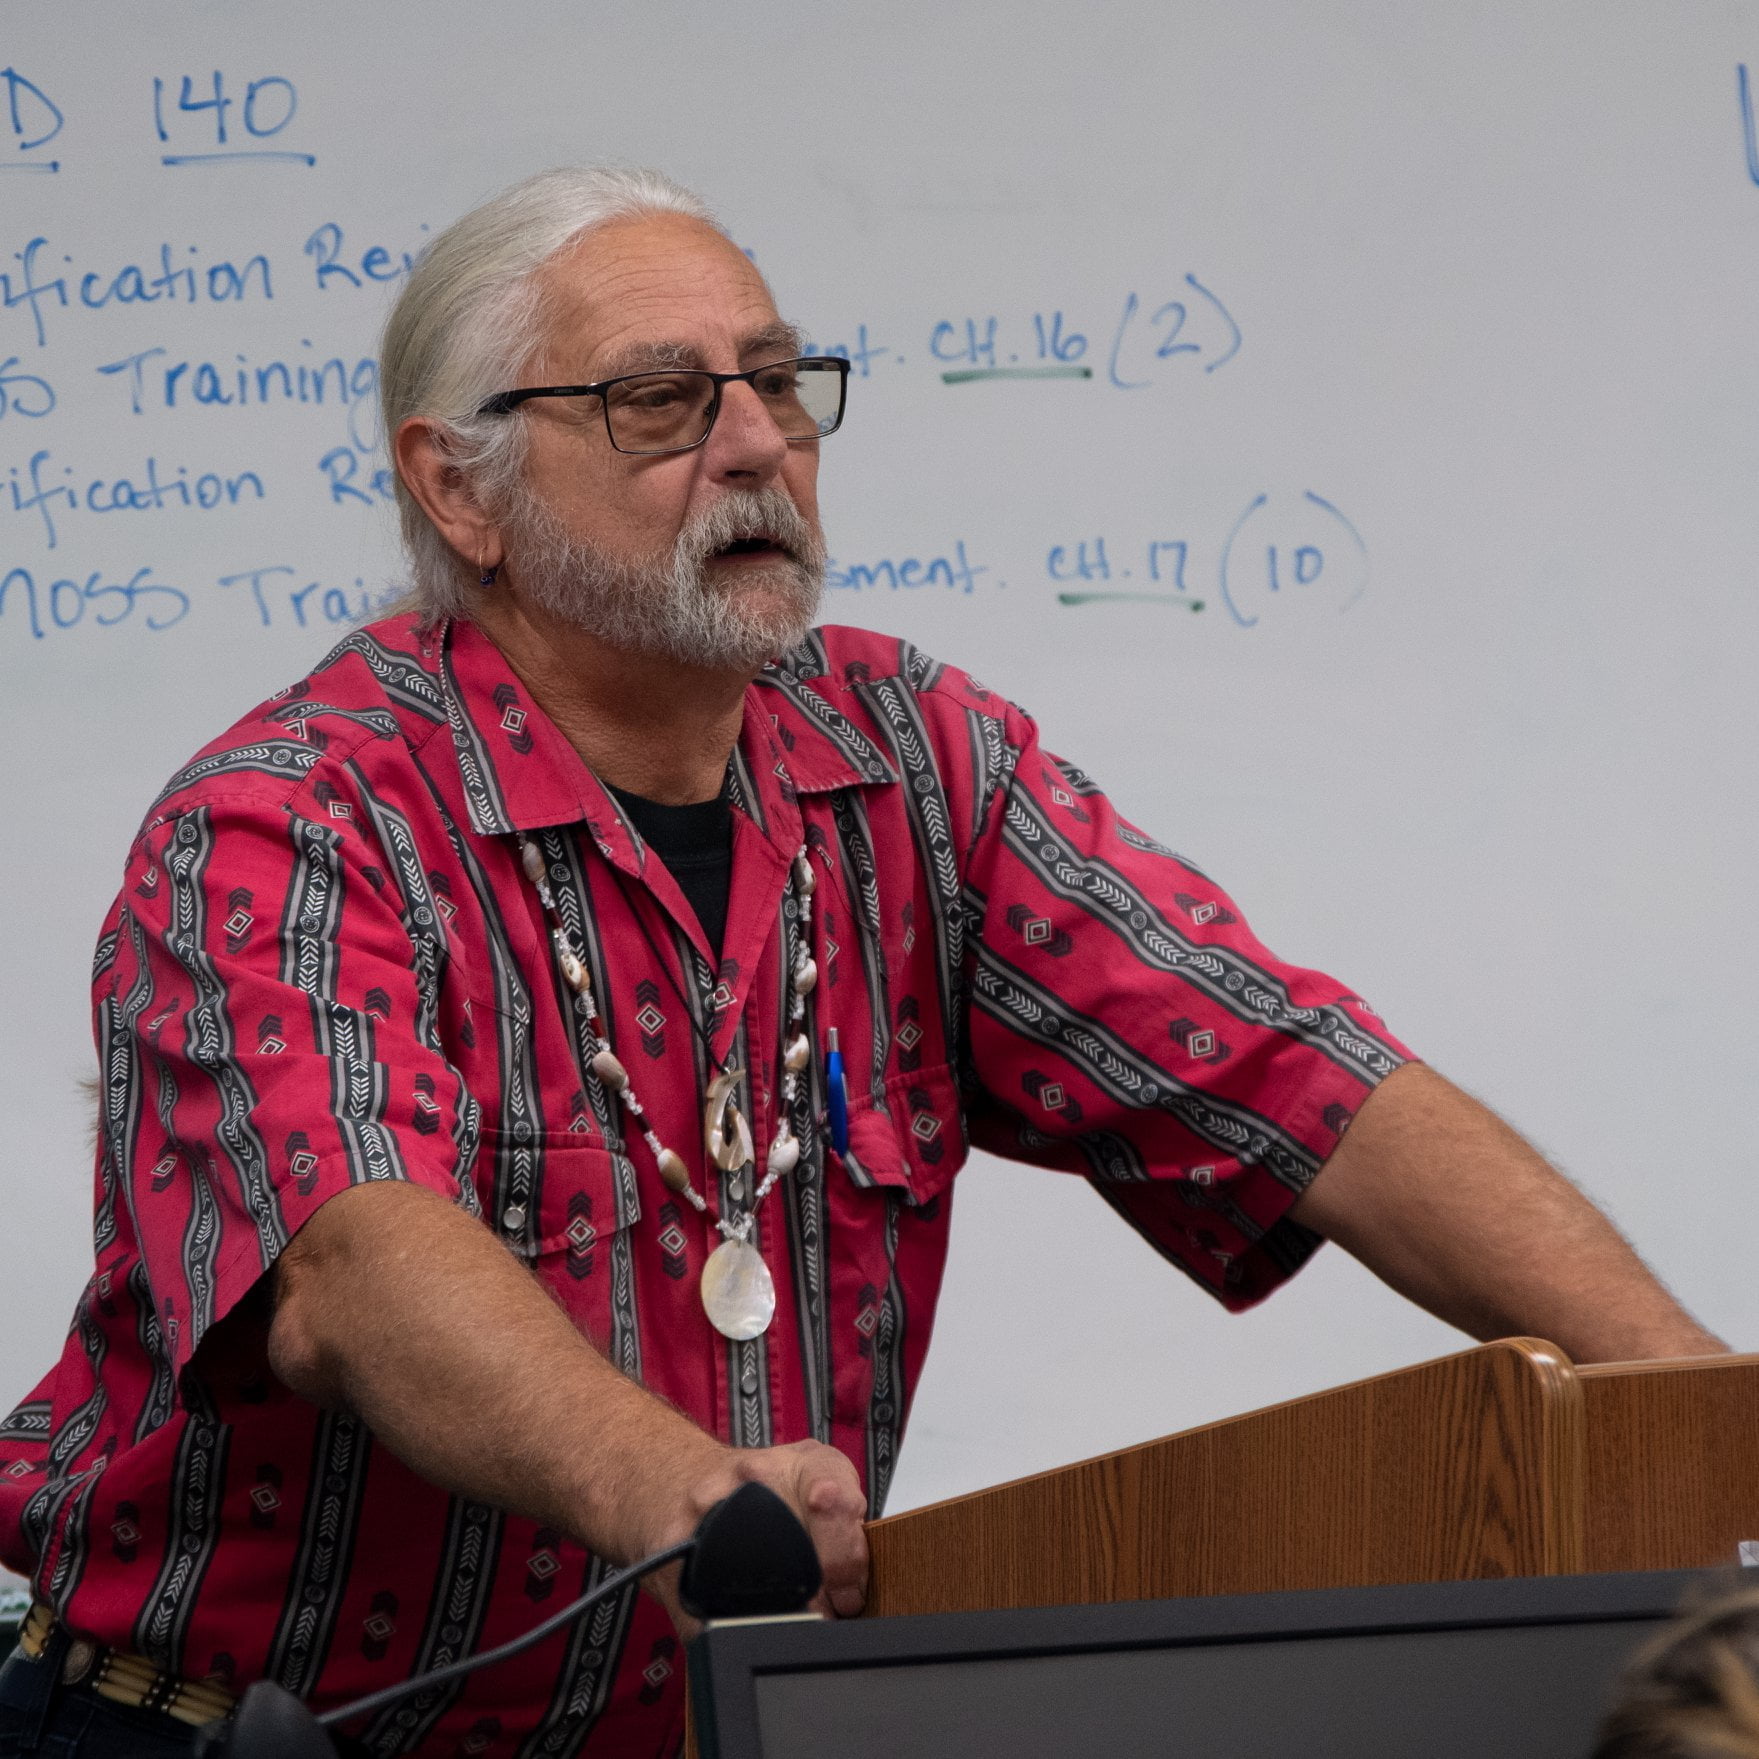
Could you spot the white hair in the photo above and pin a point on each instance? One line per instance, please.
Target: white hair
(466, 325)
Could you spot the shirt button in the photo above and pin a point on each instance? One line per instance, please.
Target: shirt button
(513, 1217)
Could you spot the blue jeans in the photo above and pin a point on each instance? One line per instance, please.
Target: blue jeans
(39, 1715)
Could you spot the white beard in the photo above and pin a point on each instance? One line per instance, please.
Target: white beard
(669, 607)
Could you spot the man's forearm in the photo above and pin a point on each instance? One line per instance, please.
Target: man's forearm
(395, 1305)
(1448, 1205)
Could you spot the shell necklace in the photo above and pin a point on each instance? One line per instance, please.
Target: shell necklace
(738, 1293)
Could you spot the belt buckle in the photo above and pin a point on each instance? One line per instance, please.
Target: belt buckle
(77, 1663)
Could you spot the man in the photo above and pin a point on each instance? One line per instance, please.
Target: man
(477, 1200)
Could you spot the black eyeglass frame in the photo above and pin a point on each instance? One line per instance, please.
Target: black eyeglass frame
(505, 402)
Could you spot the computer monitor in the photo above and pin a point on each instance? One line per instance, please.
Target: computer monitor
(1456, 1670)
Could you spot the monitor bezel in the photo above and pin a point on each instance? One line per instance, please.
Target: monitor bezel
(725, 1660)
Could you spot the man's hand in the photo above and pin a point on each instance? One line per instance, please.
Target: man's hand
(1443, 1201)
(815, 1481)
(394, 1304)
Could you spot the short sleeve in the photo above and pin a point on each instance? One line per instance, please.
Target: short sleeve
(265, 1031)
(1125, 1023)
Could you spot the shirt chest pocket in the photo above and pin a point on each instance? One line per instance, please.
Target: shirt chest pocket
(887, 1208)
(912, 1145)
(886, 1190)
(560, 1205)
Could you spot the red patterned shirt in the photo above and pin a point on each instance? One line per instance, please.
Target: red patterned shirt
(326, 966)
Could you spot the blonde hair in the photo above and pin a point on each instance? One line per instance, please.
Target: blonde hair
(1692, 1693)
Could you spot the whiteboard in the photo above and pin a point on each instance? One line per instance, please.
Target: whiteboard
(1334, 422)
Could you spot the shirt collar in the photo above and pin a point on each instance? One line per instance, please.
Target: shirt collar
(521, 774)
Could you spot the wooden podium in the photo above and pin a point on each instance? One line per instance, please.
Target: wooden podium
(1506, 1460)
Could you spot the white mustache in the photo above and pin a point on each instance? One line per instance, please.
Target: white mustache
(743, 514)
(669, 604)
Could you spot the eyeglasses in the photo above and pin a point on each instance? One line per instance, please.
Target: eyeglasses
(672, 411)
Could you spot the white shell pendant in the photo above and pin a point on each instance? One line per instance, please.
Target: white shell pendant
(725, 1131)
(738, 1293)
(784, 1155)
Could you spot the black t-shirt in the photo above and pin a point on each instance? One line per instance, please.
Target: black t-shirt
(696, 844)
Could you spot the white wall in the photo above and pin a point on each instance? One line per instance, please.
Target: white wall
(1491, 269)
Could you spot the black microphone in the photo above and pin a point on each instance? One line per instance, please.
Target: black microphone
(748, 1558)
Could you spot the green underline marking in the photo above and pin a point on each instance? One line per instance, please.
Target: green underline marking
(1140, 598)
(967, 376)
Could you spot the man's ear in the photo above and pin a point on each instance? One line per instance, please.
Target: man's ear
(422, 450)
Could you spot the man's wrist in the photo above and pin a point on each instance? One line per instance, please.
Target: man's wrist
(656, 1492)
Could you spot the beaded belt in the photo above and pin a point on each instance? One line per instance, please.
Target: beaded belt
(124, 1678)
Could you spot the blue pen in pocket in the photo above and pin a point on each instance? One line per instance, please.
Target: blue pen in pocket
(836, 1097)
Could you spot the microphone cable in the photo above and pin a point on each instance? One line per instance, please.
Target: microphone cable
(468, 1663)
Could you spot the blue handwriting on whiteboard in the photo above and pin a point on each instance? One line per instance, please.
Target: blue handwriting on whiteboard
(35, 119)
(67, 602)
(220, 283)
(1749, 135)
(953, 570)
(22, 393)
(1194, 328)
(1164, 560)
(861, 353)
(35, 489)
(281, 602)
(266, 108)
(1296, 543)
(154, 382)
(1282, 547)
(348, 478)
(332, 260)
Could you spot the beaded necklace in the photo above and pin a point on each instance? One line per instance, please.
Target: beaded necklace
(738, 1293)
